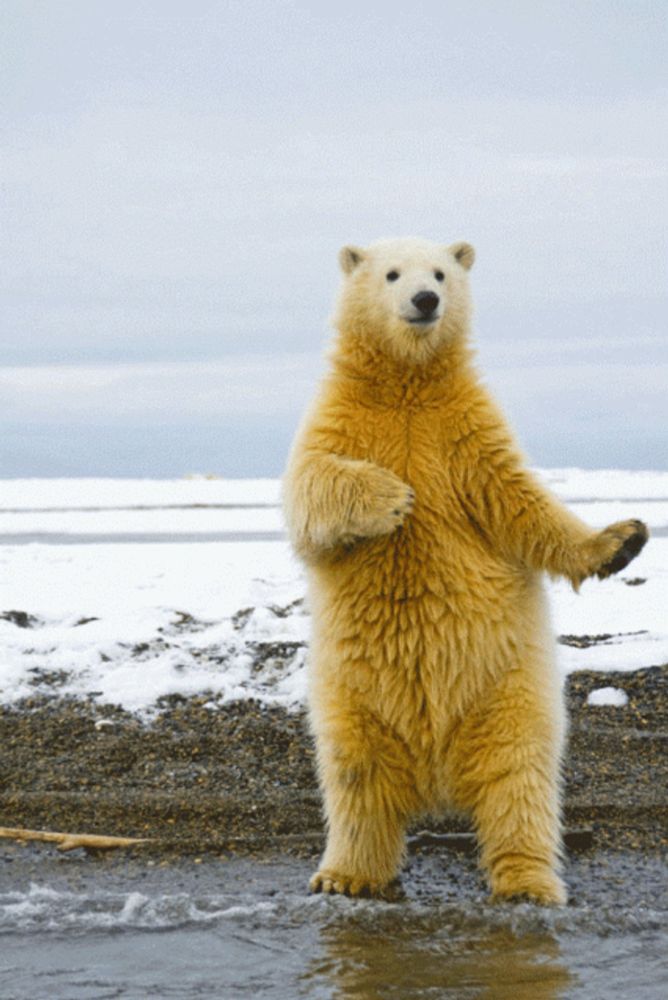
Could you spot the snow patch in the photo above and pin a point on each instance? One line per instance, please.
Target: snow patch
(608, 696)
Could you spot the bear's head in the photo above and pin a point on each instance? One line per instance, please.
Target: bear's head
(408, 297)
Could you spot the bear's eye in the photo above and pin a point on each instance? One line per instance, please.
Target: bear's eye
(392, 275)
(439, 275)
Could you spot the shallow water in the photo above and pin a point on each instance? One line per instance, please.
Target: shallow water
(73, 928)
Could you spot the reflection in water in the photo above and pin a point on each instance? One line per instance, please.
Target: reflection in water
(392, 954)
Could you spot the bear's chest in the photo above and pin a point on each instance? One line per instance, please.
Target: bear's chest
(437, 543)
(412, 442)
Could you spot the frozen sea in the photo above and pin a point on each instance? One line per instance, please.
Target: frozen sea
(125, 591)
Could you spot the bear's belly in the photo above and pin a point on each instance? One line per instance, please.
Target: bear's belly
(429, 560)
(414, 626)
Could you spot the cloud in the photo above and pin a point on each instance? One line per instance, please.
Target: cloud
(238, 418)
(179, 179)
(159, 394)
(614, 167)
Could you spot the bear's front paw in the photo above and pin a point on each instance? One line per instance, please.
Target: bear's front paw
(617, 545)
(386, 509)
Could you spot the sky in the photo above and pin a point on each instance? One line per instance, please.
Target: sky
(179, 176)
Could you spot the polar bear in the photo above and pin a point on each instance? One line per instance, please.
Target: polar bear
(432, 677)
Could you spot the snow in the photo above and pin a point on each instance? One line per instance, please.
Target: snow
(29, 494)
(605, 484)
(608, 696)
(131, 617)
(142, 522)
(165, 621)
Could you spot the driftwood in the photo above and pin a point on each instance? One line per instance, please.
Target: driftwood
(70, 841)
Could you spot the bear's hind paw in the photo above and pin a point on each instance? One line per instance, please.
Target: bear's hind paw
(332, 882)
(537, 885)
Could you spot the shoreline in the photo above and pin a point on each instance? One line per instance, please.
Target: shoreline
(240, 777)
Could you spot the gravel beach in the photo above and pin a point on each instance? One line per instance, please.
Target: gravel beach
(239, 777)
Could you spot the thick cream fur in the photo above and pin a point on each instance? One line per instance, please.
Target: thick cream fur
(432, 676)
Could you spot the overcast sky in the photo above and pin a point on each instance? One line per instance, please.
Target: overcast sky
(178, 178)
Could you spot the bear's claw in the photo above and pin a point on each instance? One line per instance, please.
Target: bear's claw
(538, 884)
(628, 550)
(333, 883)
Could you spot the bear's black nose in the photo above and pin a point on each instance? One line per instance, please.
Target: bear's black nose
(426, 302)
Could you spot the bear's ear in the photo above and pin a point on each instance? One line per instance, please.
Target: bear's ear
(463, 253)
(349, 258)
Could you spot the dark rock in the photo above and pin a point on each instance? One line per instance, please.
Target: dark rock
(20, 618)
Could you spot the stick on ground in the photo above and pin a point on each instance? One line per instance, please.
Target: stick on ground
(70, 841)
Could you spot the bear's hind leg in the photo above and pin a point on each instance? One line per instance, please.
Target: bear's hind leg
(504, 769)
(369, 793)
